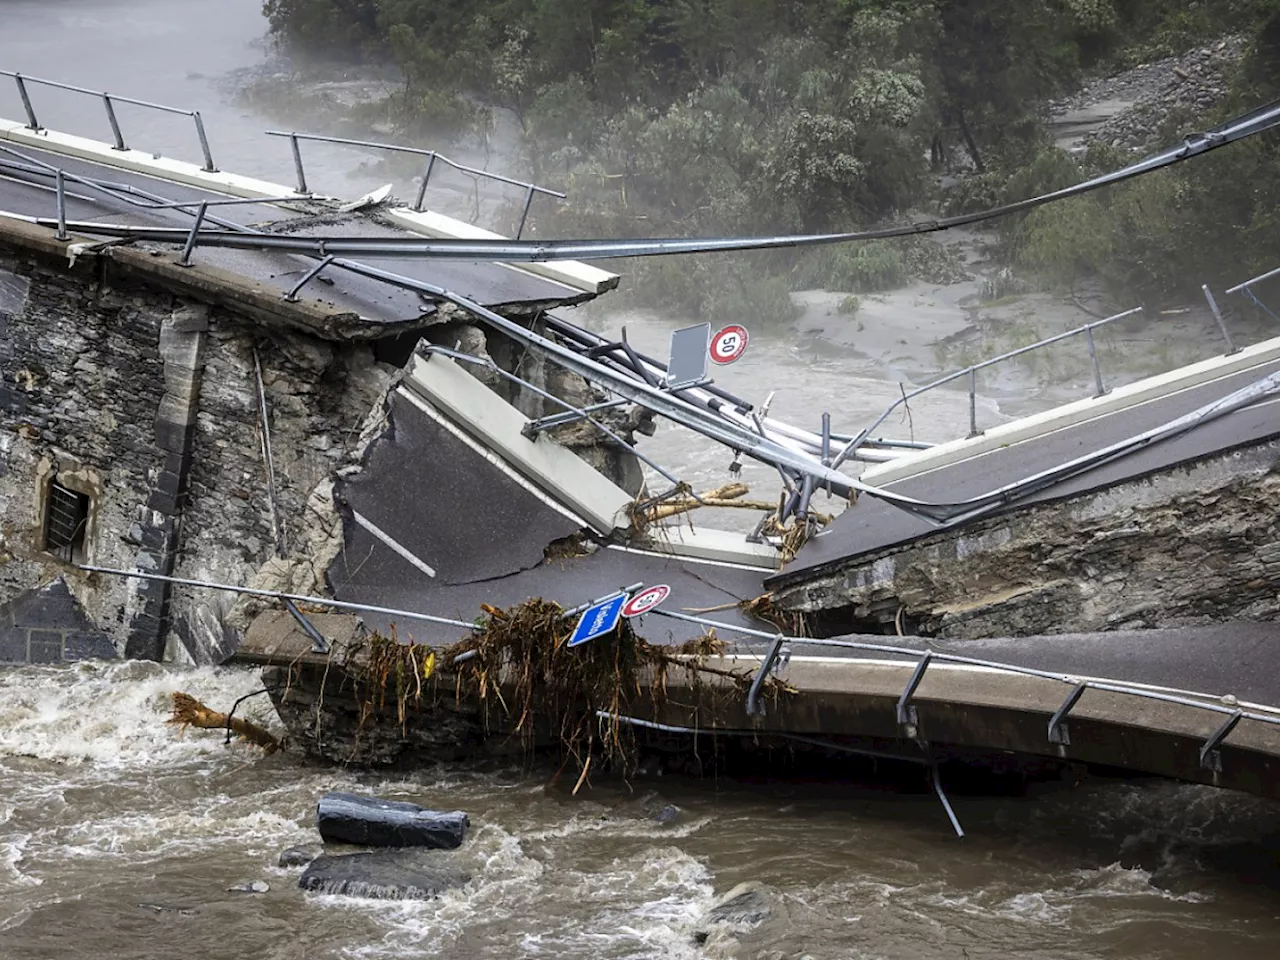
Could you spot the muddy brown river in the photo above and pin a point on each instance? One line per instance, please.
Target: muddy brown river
(119, 838)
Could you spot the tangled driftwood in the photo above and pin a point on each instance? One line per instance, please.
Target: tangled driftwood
(190, 712)
(528, 683)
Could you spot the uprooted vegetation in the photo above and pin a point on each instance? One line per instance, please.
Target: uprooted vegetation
(527, 683)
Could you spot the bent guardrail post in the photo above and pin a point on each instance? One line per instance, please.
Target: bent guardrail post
(908, 718)
(1217, 315)
(60, 199)
(185, 259)
(1058, 732)
(754, 707)
(204, 142)
(318, 642)
(297, 164)
(32, 123)
(115, 124)
(292, 295)
(1210, 754)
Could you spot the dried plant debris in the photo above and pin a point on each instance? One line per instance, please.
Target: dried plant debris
(527, 683)
(190, 712)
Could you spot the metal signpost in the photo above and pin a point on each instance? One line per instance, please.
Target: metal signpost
(598, 619)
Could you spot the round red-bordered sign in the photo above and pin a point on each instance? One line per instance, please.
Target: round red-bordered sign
(646, 600)
(729, 343)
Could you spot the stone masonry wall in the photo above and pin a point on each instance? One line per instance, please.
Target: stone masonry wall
(318, 397)
(147, 401)
(1191, 545)
(80, 382)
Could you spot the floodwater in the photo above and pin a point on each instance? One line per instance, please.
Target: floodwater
(119, 838)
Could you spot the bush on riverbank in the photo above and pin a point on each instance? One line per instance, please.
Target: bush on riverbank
(682, 117)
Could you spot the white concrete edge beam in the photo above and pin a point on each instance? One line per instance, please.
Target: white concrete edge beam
(1072, 414)
(558, 471)
(139, 161)
(580, 276)
(711, 544)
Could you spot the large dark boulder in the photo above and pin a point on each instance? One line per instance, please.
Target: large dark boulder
(370, 822)
(382, 875)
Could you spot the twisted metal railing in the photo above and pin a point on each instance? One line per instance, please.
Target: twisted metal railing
(109, 100)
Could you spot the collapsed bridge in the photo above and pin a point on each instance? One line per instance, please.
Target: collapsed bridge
(220, 392)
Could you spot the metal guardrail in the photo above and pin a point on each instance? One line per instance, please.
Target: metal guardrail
(971, 373)
(108, 103)
(432, 156)
(1210, 759)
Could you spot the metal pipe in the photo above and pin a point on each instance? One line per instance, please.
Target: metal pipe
(297, 165)
(946, 804)
(1251, 281)
(277, 595)
(973, 402)
(754, 707)
(1217, 315)
(277, 524)
(115, 124)
(1093, 357)
(524, 215)
(204, 143)
(422, 187)
(61, 200)
(185, 259)
(292, 295)
(32, 123)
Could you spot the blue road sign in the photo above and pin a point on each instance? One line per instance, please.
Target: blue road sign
(598, 619)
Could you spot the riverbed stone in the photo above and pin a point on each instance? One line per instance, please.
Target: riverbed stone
(383, 875)
(298, 856)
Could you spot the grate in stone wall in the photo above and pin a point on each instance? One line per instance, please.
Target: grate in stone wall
(66, 516)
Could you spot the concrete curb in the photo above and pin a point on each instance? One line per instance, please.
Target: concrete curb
(579, 276)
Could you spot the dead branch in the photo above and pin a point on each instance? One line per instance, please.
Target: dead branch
(190, 712)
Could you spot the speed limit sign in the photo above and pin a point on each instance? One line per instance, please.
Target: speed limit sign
(646, 600)
(729, 343)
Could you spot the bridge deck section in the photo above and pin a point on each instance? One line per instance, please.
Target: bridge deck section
(872, 526)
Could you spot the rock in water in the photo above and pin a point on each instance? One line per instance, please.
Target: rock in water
(746, 905)
(350, 818)
(381, 875)
(253, 886)
(668, 814)
(297, 856)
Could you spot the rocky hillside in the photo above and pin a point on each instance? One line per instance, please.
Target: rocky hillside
(1138, 102)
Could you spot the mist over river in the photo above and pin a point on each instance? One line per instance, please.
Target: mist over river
(119, 838)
